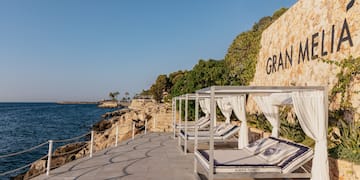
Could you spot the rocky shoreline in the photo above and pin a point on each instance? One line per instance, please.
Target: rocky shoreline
(158, 115)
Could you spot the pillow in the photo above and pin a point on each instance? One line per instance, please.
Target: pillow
(276, 153)
(260, 145)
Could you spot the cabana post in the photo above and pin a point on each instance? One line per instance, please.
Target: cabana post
(180, 119)
(186, 120)
(196, 128)
(174, 116)
(211, 143)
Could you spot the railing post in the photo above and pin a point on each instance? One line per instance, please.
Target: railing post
(145, 125)
(186, 121)
(117, 135)
(91, 143)
(133, 130)
(49, 157)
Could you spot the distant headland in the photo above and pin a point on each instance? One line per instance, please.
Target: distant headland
(76, 102)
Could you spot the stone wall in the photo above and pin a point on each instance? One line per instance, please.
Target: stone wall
(293, 46)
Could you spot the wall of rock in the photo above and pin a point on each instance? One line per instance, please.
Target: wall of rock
(293, 47)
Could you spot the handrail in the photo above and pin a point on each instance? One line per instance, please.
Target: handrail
(23, 151)
(67, 140)
(74, 150)
(17, 169)
(128, 125)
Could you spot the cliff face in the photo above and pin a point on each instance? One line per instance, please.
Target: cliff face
(293, 47)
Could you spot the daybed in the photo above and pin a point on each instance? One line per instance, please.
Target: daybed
(266, 158)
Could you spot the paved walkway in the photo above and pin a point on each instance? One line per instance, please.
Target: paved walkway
(152, 156)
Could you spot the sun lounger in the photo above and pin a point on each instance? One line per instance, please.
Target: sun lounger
(267, 158)
(202, 123)
(219, 134)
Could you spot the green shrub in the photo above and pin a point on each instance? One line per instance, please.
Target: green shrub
(259, 121)
(348, 142)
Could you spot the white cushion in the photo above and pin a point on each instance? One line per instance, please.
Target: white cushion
(225, 129)
(276, 153)
(202, 120)
(260, 145)
(219, 128)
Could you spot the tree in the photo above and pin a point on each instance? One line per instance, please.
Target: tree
(113, 95)
(160, 86)
(127, 96)
(204, 74)
(145, 93)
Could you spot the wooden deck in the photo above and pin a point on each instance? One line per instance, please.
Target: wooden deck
(152, 156)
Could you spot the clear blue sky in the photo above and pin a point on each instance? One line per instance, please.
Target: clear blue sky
(54, 50)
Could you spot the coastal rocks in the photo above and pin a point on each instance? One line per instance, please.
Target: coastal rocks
(115, 113)
(102, 125)
(158, 117)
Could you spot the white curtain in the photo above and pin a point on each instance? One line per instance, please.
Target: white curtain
(224, 105)
(238, 106)
(205, 106)
(281, 98)
(270, 111)
(310, 110)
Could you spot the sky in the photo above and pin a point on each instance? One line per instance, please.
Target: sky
(80, 50)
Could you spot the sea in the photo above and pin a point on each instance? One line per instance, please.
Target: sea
(25, 125)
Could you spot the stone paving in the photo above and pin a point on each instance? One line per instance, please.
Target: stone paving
(154, 156)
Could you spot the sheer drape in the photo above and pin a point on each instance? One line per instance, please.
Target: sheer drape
(238, 106)
(224, 105)
(310, 110)
(205, 106)
(270, 111)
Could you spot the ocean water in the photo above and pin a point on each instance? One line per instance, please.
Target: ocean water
(24, 125)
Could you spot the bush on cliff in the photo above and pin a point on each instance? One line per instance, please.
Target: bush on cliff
(241, 57)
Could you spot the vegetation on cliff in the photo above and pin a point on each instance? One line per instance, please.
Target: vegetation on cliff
(344, 128)
(238, 67)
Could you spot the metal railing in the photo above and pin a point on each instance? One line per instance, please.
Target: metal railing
(50, 143)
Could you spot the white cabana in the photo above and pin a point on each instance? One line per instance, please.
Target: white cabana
(204, 102)
(311, 108)
(205, 107)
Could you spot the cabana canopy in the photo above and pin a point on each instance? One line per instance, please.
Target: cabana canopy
(311, 108)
